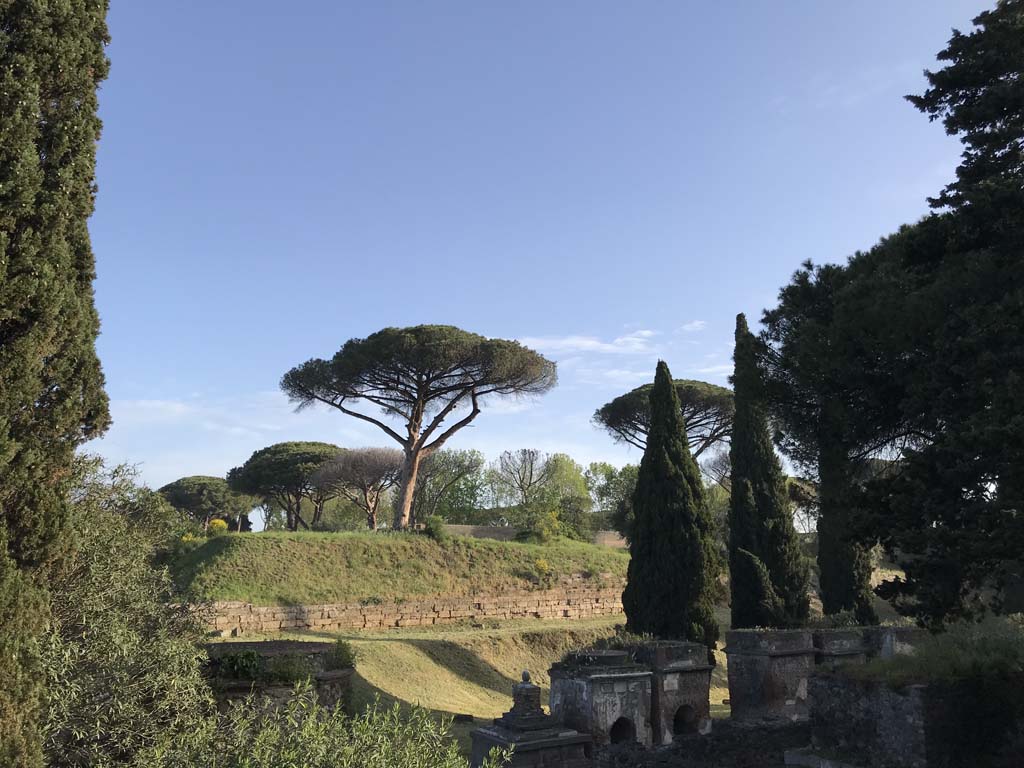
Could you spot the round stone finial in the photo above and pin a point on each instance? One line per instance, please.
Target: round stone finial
(526, 676)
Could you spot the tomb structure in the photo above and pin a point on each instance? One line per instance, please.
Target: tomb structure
(768, 671)
(537, 739)
(680, 688)
(605, 694)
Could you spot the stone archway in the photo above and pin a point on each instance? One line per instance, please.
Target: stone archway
(622, 731)
(685, 721)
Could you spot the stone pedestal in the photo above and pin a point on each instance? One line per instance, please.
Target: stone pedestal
(768, 671)
(604, 694)
(537, 739)
(680, 688)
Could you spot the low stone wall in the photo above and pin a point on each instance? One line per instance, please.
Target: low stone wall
(331, 689)
(233, 619)
(975, 721)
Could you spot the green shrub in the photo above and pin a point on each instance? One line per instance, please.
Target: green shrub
(244, 665)
(990, 648)
(286, 668)
(302, 734)
(122, 656)
(217, 527)
(434, 527)
(341, 656)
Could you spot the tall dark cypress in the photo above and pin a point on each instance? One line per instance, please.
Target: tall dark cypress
(763, 545)
(52, 59)
(673, 563)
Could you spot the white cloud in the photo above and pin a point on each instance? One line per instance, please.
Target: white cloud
(694, 326)
(634, 342)
(716, 370)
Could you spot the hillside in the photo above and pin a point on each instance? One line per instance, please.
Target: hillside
(305, 568)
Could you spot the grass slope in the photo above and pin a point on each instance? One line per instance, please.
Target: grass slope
(466, 669)
(297, 568)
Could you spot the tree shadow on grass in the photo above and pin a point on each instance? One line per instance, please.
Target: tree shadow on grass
(364, 693)
(464, 663)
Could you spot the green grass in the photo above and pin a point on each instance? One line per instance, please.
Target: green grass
(464, 669)
(305, 568)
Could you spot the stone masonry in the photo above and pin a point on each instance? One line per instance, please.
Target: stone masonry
(680, 688)
(233, 619)
(538, 740)
(768, 671)
(605, 694)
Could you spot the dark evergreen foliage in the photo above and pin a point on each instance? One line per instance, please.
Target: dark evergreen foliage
(810, 368)
(763, 543)
(912, 353)
(673, 563)
(757, 603)
(954, 507)
(52, 59)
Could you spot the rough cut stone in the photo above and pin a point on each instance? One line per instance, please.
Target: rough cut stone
(538, 740)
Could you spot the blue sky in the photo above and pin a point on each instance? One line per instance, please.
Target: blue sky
(608, 182)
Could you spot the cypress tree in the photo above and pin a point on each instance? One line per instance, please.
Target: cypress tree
(760, 524)
(673, 563)
(51, 389)
(757, 604)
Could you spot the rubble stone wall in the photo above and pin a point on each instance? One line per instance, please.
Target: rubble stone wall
(232, 619)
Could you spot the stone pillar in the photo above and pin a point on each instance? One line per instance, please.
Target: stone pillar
(768, 671)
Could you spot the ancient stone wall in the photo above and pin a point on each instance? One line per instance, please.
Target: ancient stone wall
(232, 619)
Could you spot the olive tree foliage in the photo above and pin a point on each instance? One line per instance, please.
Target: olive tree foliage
(282, 476)
(449, 482)
(426, 383)
(121, 655)
(707, 410)
(304, 734)
(203, 498)
(361, 475)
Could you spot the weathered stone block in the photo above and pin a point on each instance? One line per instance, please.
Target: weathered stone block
(604, 694)
(768, 671)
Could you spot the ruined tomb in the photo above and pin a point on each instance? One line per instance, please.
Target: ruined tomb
(605, 694)
(680, 688)
(768, 671)
(537, 739)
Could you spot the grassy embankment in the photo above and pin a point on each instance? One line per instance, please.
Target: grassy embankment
(306, 568)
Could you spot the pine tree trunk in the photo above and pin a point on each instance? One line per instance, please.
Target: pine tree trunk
(406, 490)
